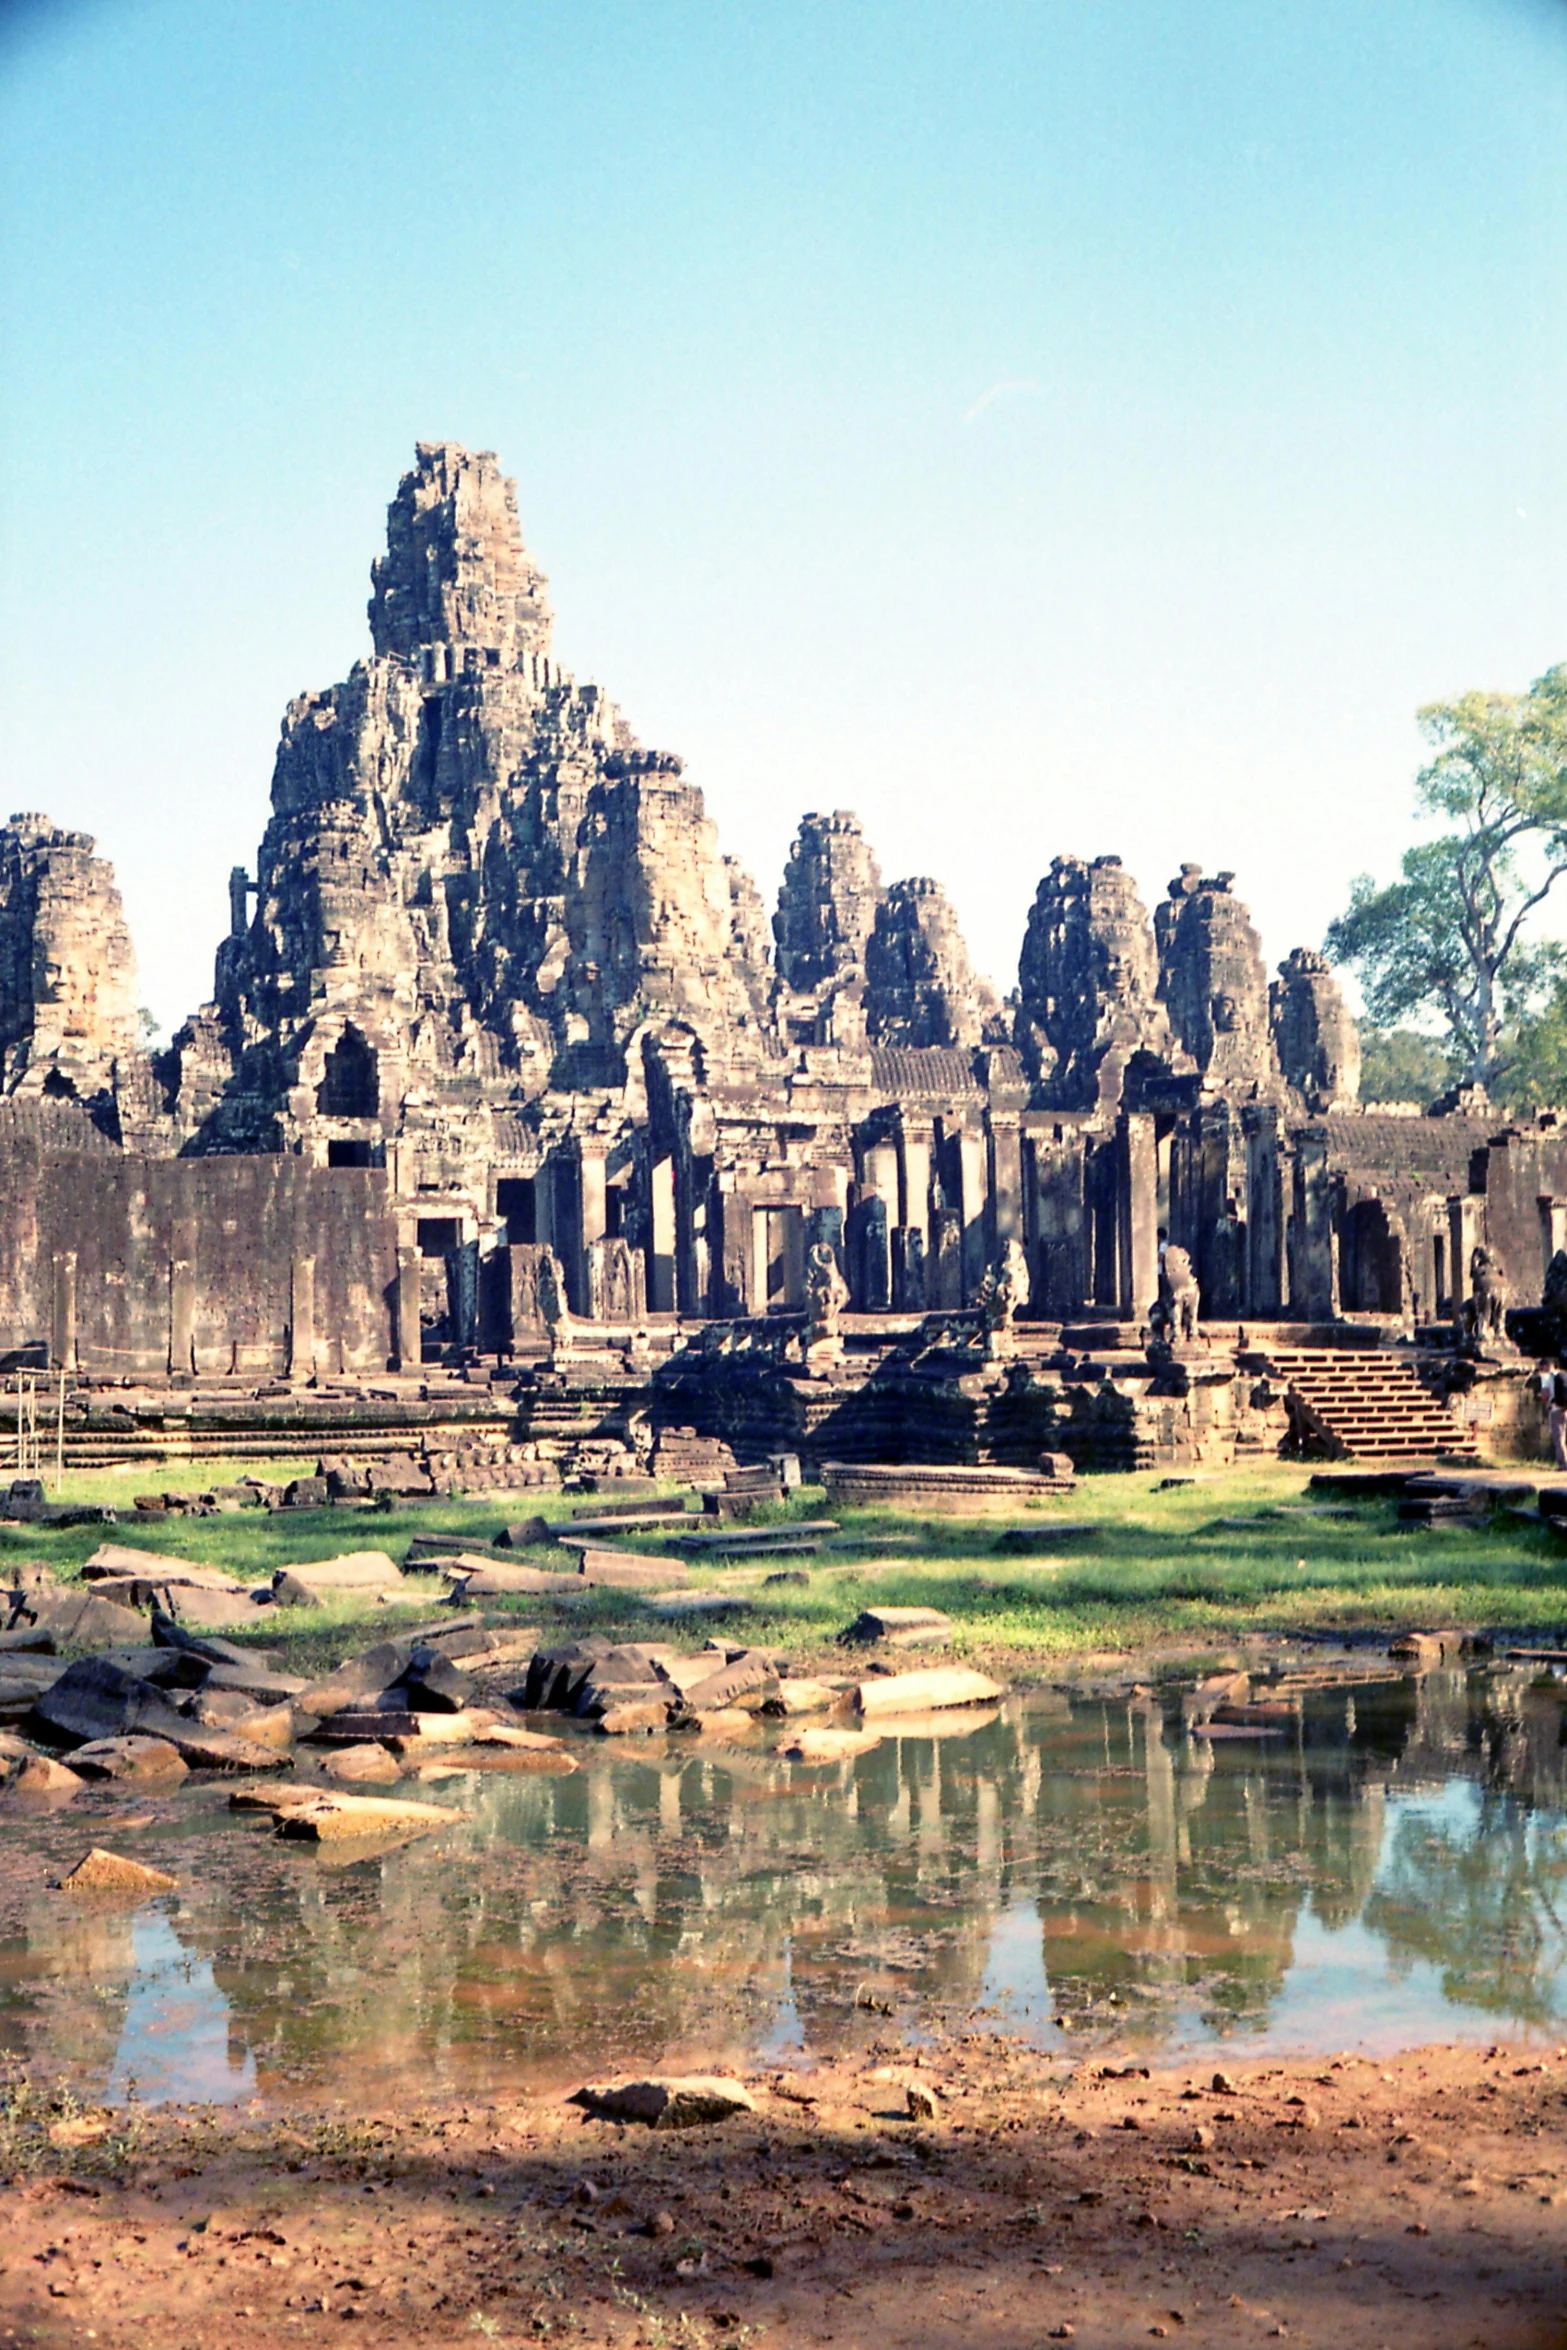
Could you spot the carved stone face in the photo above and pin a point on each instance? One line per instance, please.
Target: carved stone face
(1226, 1013)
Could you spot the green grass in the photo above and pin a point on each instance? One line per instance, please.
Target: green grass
(1163, 1570)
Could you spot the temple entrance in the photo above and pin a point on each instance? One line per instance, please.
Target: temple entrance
(350, 1080)
(779, 1242)
(1371, 1262)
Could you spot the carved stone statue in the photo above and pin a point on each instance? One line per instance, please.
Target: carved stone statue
(1179, 1298)
(1003, 1290)
(1485, 1309)
(826, 1295)
(1554, 1296)
(554, 1307)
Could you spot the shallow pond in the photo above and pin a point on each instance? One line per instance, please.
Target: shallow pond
(1392, 1872)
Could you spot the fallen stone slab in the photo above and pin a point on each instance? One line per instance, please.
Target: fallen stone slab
(1426, 1650)
(133, 1761)
(350, 1570)
(519, 1761)
(668, 2101)
(365, 1675)
(24, 1771)
(28, 1640)
(620, 1570)
(216, 1611)
(927, 1692)
(117, 1561)
(109, 1872)
(271, 1726)
(801, 1697)
(636, 1716)
(367, 1765)
(902, 1627)
(79, 1618)
(321, 1815)
(678, 1606)
(94, 1699)
(494, 1581)
(556, 1674)
(755, 1669)
(1027, 1541)
(254, 1681)
(829, 1746)
(431, 1684)
(417, 1733)
(169, 1632)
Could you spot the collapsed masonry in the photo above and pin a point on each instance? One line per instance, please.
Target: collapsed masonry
(496, 1004)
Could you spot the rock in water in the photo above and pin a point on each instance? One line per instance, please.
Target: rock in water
(668, 2101)
(110, 1872)
(902, 1693)
(368, 1766)
(135, 1761)
(822, 1746)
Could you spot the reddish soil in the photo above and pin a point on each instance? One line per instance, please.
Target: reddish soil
(1418, 2202)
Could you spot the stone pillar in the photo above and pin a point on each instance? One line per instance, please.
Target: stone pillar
(302, 1319)
(661, 1253)
(62, 1351)
(1314, 1267)
(1466, 1229)
(1006, 1178)
(409, 1346)
(1265, 1220)
(591, 1196)
(976, 1254)
(874, 1219)
(737, 1246)
(182, 1301)
(944, 1281)
(914, 1181)
(1137, 1211)
(908, 1270)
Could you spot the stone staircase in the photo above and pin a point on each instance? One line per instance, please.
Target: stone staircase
(1366, 1403)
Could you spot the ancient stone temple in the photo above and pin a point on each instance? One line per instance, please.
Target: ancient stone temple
(503, 1053)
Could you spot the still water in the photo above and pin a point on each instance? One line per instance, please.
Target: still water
(1078, 1872)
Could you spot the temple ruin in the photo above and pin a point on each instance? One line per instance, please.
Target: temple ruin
(507, 1082)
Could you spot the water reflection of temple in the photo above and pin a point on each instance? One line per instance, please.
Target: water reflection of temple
(676, 1899)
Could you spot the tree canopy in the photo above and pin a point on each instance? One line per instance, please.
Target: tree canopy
(1450, 937)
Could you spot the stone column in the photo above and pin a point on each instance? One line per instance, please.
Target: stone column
(1264, 1213)
(914, 1180)
(408, 1346)
(1314, 1271)
(976, 1254)
(182, 1301)
(62, 1352)
(661, 1256)
(302, 1319)
(1137, 1207)
(591, 1195)
(1466, 1229)
(1006, 1177)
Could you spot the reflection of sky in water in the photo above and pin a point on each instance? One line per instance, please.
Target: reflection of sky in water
(174, 2042)
(1014, 1979)
(1350, 1986)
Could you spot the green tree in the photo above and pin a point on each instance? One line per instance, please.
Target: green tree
(1450, 935)
(1403, 1065)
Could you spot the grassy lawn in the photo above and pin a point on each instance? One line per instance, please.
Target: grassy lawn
(1193, 1567)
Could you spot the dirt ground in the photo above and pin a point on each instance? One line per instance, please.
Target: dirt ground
(1418, 2202)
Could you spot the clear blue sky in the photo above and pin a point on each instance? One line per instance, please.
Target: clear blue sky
(1068, 425)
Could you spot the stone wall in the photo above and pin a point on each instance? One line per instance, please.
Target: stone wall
(132, 1266)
